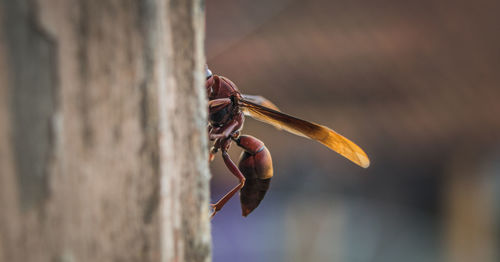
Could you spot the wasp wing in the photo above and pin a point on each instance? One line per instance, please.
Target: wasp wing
(322, 134)
(260, 100)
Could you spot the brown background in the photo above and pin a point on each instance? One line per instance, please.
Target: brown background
(417, 85)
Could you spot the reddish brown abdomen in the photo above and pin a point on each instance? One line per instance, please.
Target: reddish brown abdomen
(258, 171)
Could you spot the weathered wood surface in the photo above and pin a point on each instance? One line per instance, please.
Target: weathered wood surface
(102, 131)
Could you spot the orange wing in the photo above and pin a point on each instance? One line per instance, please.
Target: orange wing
(300, 127)
(261, 101)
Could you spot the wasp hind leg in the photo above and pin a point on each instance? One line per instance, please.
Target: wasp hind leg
(237, 173)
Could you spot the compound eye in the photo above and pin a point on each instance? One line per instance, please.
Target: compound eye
(208, 73)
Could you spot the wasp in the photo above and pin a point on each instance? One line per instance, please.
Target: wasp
(227, 108)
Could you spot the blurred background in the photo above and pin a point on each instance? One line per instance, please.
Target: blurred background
(415, 84)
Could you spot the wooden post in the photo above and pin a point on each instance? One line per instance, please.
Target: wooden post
(103, 131)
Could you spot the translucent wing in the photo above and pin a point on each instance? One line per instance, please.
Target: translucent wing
(260, 100)
(322, 134)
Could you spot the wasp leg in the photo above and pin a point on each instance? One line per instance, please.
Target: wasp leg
(217, 104)
(225, 131)
(236, 172)
(222, 143)
(211, 154)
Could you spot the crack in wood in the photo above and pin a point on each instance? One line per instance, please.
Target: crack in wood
(34, 91)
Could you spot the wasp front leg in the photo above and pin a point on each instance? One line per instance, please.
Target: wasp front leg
(222, 137)
(227, 130)
(224, 132)
(218, 104)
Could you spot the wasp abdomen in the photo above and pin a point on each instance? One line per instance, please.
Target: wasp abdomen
(252, 193)
(257, 167)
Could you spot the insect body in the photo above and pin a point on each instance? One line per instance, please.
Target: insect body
(227, 109)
